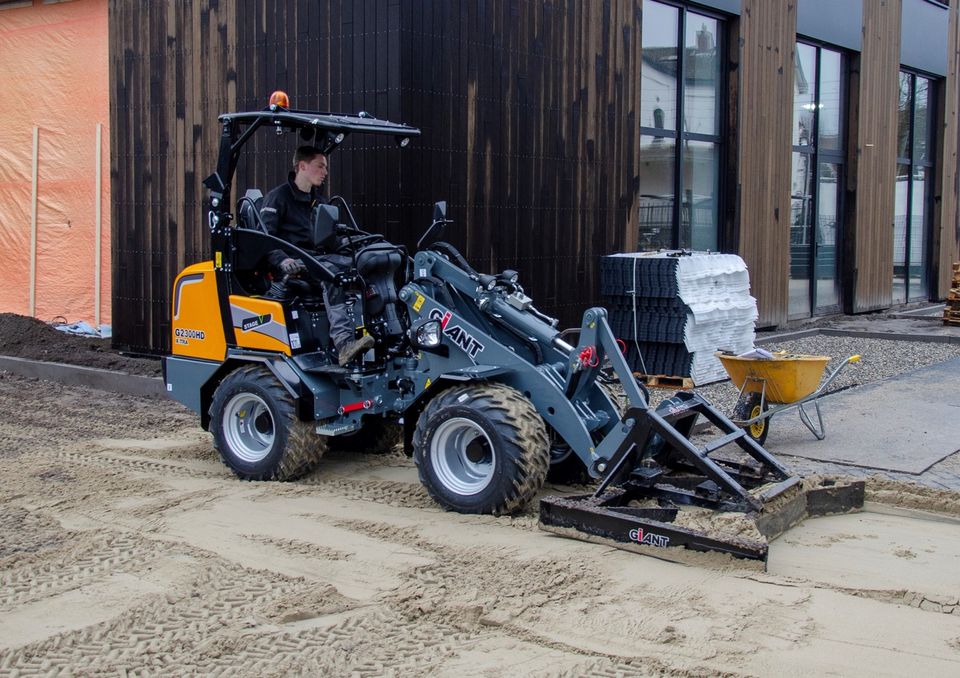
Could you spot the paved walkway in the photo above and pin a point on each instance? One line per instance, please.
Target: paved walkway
(912, 434)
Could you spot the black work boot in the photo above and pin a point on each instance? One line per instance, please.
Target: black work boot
(350, 351)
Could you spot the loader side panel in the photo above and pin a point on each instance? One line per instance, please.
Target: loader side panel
(185, 377)
(196, 327)
(259, 324)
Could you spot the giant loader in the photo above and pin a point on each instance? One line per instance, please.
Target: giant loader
(491, 398)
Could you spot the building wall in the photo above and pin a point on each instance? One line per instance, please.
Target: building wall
(530, 112)
(872, 152)
(765, 74)
(947, 224)
(530, 116)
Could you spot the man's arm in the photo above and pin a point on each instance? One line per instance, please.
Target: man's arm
(272, 213)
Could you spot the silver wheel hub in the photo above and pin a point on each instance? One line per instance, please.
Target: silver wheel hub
(248, 427)
(462, 456)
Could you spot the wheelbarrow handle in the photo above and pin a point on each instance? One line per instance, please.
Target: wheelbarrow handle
(833, 375)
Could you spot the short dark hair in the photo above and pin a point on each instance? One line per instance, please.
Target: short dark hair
(306, 154)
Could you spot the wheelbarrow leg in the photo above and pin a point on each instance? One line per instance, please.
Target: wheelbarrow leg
(820, 433)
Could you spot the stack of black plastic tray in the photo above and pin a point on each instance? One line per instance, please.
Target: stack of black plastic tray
(646, 312)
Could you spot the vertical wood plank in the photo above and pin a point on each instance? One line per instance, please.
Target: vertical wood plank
(870, 185)
(946, 226)
(767, 45)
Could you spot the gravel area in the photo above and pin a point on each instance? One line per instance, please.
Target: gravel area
(880, 359)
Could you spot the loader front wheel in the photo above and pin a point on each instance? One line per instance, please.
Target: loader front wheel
(748, 407)
(481, 448)
(256, 430)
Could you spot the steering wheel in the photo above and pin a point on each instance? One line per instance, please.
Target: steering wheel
(357, 243)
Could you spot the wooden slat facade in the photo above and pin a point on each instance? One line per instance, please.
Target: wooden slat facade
(530, 112)
(872, 165)
(946, 223)
(765, 83)
(172, 72)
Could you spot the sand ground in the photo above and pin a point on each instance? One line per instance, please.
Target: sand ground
(126, 548)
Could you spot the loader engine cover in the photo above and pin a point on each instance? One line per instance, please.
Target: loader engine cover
(196, 328)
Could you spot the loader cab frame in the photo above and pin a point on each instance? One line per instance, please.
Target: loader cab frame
(231, 247)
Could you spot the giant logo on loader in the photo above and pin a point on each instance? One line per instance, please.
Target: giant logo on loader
(457, 334)
(642, 537)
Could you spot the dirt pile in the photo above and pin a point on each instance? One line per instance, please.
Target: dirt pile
(25, 337)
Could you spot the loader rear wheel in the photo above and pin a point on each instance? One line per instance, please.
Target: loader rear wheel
(747, 408)
(256, 430)
(481, 448)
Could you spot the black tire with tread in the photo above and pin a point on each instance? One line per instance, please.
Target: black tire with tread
(747, 408)
(517, 432)
(296, 449)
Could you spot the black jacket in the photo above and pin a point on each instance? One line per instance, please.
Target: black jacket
(287, 212)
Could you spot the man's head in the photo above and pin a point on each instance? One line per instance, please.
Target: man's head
(310, 167)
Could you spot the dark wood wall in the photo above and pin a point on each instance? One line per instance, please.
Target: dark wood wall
(530, 116)
(172, 70)
(765, 77)
(528, 109)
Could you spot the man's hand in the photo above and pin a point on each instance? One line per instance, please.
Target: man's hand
(290, 266)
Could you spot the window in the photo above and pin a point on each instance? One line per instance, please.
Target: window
(913, 213)
(818, 147)
(680, 128)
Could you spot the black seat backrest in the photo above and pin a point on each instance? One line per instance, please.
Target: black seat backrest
(248, 211)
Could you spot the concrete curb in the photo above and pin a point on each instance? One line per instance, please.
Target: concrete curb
(74, 375)
(829, 332)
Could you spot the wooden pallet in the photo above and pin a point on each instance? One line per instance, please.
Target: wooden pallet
(664, 381)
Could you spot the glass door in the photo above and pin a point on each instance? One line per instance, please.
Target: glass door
(913, 213)
(816, 188)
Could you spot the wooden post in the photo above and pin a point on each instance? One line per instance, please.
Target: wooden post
(33, 224)
(98, 220)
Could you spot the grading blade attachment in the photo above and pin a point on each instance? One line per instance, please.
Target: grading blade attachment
(662, 491)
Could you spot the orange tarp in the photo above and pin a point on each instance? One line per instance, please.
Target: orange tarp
(54, 78)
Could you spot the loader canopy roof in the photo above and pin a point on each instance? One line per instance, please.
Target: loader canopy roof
(326, 131)
(316, 121)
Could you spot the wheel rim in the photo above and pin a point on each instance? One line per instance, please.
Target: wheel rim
(756, 429)
(462, 456)
(248, 427)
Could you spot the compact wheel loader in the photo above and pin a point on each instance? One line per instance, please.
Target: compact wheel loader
(490, 398)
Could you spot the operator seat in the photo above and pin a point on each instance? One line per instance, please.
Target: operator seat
(377, 264)
(248, 210)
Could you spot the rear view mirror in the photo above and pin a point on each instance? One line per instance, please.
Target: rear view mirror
(325, 218)
(440, 211)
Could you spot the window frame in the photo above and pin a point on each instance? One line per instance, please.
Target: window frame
(679, 136)
(930, 164)
(820, 156)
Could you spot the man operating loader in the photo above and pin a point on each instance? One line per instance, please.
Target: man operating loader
(287, 213)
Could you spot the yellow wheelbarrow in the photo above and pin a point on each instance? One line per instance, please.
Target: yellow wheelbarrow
(769, 386)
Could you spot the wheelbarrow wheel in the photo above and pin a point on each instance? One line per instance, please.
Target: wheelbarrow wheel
(749, 406)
